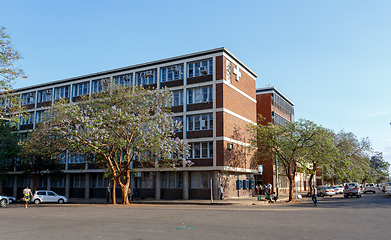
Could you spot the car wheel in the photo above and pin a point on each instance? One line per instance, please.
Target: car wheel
(345, 196)
(331, 195)
(3, 202)
(321, 194)
(374, 192)
(37, 201)
(60, 201)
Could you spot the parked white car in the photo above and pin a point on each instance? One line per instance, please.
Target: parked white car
(370, 187)
(325, 191)
(337, 189)
(43, 196)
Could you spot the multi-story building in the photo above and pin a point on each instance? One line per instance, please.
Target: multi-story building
(277, 109)
(214, 96)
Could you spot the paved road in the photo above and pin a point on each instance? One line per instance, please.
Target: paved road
(335, 218)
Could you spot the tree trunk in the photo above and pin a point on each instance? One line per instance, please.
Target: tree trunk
(310, 183)
(125, 188)
(113, 193)
(35, 181)
(291, 186)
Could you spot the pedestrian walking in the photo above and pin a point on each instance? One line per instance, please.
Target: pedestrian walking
(315, 195)
(269, 188)
(221, 191)
(26, 196)
(264, 188)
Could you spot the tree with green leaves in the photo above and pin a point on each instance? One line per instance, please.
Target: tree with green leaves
(353, 154)
(320, 153)
(285, 143)
(9, 103)
(9, 150)
(121, 125)
(41, 156)
(379, 169)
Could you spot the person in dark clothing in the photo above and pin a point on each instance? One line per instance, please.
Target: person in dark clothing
(315, 196)
(134, 194)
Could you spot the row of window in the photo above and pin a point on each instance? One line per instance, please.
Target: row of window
(148, 77)
(97, 180)
(196, 122)
(194, 95)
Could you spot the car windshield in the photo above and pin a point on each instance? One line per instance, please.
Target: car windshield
(327, 188)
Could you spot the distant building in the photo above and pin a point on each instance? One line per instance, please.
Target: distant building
(277, 109)
(214, 95)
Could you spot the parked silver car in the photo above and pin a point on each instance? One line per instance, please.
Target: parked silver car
(3, 201)
(43, 196)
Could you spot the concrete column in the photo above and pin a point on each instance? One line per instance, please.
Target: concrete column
(15, 193)
(67, 185)
(216, 185)
(49, 186)
(185, 185)
(87, 184)
(157, 185)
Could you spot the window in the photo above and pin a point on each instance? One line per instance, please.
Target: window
(146, 77)
(177, 98)
(59, 183)
(28, 98)
(200, 68)
(201, 150)
(61, 92)
(27, 119)
(180, 121)
(42, 182)
(45, 95)
(171, 73)
(200, 122)
(77, 158)
(81, 89)
(199, 180)
(146, 181)
(171, 180)
(124, 80)
(98, 181)
(40, 116)
(78, 180)
(200, 95)
(98, 85)
(61, 158)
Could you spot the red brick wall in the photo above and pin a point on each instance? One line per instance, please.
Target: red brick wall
(264, 107)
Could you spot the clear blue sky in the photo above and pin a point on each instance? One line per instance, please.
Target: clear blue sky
(331, 58)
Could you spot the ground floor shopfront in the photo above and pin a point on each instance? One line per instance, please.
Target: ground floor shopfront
(149, 184)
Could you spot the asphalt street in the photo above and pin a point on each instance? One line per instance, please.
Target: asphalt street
(335, 218)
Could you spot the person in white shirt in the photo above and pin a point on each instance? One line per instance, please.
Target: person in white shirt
(221, 191)
(269, 188)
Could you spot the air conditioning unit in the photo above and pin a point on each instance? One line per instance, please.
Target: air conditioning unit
(48, 92)
(204, 70)
(126, 77)
(148, 73)
(203, 123)
(31, 99)
(175, 68)
(31, 94)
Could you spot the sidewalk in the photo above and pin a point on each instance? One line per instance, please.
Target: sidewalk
(283, 197)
